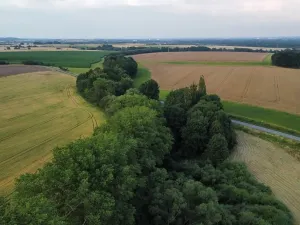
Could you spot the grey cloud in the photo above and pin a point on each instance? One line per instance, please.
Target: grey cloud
(141, 21)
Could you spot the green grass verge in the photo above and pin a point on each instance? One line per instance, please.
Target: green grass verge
(98, 64)
(75, 59)
(278, 120)
(78, 70)
(84, 70)
(292, 147)
(268, 59)
(163, 94)
(142, 76)
(254, 63)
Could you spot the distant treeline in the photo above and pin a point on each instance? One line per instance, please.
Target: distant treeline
(143, 49)
(37, 63)
(289, 59)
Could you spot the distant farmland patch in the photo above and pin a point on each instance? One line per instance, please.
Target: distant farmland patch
(76, 59)
(202, 57)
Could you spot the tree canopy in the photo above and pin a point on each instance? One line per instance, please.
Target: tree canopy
(151, 89)
(288, 58)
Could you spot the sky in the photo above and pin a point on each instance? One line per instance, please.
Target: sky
(148, 18)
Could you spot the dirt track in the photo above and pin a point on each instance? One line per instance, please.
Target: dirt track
(272, 166)
(7, 70)
(201, 56)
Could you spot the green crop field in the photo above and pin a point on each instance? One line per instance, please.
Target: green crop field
(76, 59)
(38, 112)
(267, 117)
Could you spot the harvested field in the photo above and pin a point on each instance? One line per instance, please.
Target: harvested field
(266, 86)
(201, 56)
(7, 70)
(272, 166)
(39, 111)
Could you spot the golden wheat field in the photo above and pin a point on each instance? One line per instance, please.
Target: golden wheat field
(39, 111)
(267, 86)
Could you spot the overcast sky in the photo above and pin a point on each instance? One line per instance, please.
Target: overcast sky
(148, 18)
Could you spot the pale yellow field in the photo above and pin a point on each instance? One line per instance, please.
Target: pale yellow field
(39, 111)
(272, 166)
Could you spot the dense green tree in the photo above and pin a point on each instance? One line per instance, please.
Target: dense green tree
(103, 88)
(126, 63)
(131, 100)
(287, 58)
(217, 150)
(34, 210)
(151, 89)
(202, 86)
(148, 128)
(195, 137)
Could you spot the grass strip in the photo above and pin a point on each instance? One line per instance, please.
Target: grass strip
(269, 118)
(142, 76)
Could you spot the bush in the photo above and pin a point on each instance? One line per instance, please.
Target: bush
(3, 62)
(151, 89)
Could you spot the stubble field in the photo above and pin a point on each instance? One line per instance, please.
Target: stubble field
(272, 166)
(266, 86)
(39, 111)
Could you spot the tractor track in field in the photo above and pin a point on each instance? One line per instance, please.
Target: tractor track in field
(224, 80)
(277, 90)
(73, 99)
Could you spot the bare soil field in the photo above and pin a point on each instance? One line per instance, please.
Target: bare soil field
(272, 166)
(267, 86)
(7, 70)
(201, 56)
